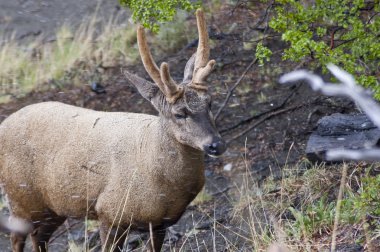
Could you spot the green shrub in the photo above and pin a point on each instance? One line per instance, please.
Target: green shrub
(314, 218)
(150, 12)
(345, 33)
(368, 200)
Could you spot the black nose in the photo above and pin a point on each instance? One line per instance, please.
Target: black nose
(216, 148)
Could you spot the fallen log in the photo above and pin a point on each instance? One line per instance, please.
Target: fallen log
(339, 131)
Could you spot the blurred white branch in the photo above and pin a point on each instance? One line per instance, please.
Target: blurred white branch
(14, 225)
(347, 88)
(365, 155)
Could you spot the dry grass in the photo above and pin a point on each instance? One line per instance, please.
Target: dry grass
(202, 197)
(92, 46)
(299, 211)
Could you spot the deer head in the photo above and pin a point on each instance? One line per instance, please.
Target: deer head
(185, 108)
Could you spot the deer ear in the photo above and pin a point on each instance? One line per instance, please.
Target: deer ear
(147, 89)
(189, 69)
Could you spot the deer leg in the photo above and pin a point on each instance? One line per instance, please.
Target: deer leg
(18, 242)
(158, 240)
(42, 233)
(112, 238)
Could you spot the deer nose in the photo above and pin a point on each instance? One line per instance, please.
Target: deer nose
(216, 148)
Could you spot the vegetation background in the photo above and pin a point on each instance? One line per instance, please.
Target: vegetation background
(263, 192)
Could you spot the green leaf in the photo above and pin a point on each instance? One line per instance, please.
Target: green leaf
(263, 53)
(344, 32)
(152, 13)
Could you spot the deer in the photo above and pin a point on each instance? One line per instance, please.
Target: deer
(129, 171)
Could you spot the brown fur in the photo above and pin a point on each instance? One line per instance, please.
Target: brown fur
(124, 169)
(61, 158)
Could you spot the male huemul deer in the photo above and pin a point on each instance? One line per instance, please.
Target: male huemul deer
(129, 171)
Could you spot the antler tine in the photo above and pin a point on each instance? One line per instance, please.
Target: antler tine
(147, 59)
(160, 76)
(172, 90)
(202, 66)
(203, 72)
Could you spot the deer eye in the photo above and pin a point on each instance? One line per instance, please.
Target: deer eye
(180, 116)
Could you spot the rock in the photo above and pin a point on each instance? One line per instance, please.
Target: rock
(98, 88)
(350, 248)
(172, 236)
(227, 167)
(339, 131)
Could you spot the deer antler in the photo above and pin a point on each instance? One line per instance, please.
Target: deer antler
(202, 66)
(161, 76)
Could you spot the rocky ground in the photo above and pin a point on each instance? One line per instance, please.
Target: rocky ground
(266, 125)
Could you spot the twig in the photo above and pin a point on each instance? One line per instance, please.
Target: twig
(221, 191)
(235, 7)
(333, 35)
(263, 120)
(151, 236)
(231, 90)
(338, 206)
(263, 18)
(249, 119)
(264, 37)
(370, 19)
(343, 42)
(367, 235)
(234, 62)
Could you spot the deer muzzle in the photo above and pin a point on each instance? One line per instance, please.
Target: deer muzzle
(216, 148)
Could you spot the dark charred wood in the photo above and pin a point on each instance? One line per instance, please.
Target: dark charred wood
(340, 131)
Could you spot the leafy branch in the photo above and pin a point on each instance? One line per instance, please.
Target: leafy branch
(150, 13)
(345, 33)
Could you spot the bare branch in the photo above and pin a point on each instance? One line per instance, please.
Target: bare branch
(342, 154)
(257, 123)
(338, 207)
(257, 116)
(231, 90)
(347, 88)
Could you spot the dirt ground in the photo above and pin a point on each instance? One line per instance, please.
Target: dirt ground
(27, 19)
(280, 118)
